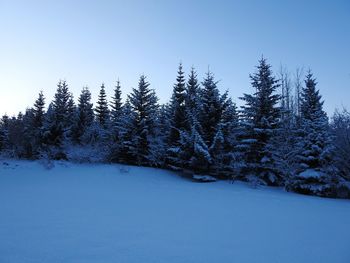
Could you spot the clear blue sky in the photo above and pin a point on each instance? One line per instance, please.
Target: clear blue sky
(90, 42)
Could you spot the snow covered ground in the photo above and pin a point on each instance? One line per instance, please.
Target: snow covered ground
(113, 213)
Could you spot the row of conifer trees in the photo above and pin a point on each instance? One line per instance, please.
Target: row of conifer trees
(274, 139)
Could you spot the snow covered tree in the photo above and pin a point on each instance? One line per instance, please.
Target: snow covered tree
(33, 124)
(314, 130)
(315, 172)
(194, 154)
(85, 115)
(59, 117)
(53, 134)
(288, 124)
(143, 102)
(116, 123)
(211, 108)
(39, 111)
(102, 111)
(341, 130)
(260, 118)
(125, 154)
(192, 100)
(177, 108)
(15, 131)
(223, 152)
(62, 104)
(117, 110)
(71, 113)
(176, 114)
(4, 132)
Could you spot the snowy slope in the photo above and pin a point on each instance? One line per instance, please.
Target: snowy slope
(112, 213)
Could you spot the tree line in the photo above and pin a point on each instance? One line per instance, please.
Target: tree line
(281, 136)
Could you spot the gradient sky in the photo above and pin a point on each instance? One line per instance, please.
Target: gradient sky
(90, 42)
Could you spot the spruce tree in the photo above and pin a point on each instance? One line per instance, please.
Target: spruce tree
(144, 104)
(53, 130)
(117, 111)
(315, 172)
(38, 111)
(126, 153)
(34, 122)
(62, 104)
(102, 112)
(177, 108)
(260, 118)
(116, 123)
(211, 108)
(192, 100)
(314, 124)
(58, 121)
(85, 115)
(223, 149)
(4, 132)
(341, 130)
(194, 154)
(176, 114)
(71, 113)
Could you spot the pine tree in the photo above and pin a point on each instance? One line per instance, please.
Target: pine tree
(341, 130)
(116, 123)
(126, 153)
(85, 115)
(288, 124)
(315, 172)
(117, 110)
(38, 111)
(16, 136)
(176, 114)
(177, 108)
(192, 100)
(194, 153)
(223, 149)
(102, 112)
(59, 117)
(211, 108)
(53, 130)
(4, 133)
(144, 104)
(260, 117)
(34, 122)
(62, 104)
(71, 113)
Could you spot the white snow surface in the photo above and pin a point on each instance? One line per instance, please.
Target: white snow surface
(204, 178)
(84, 213)
(310, 173)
